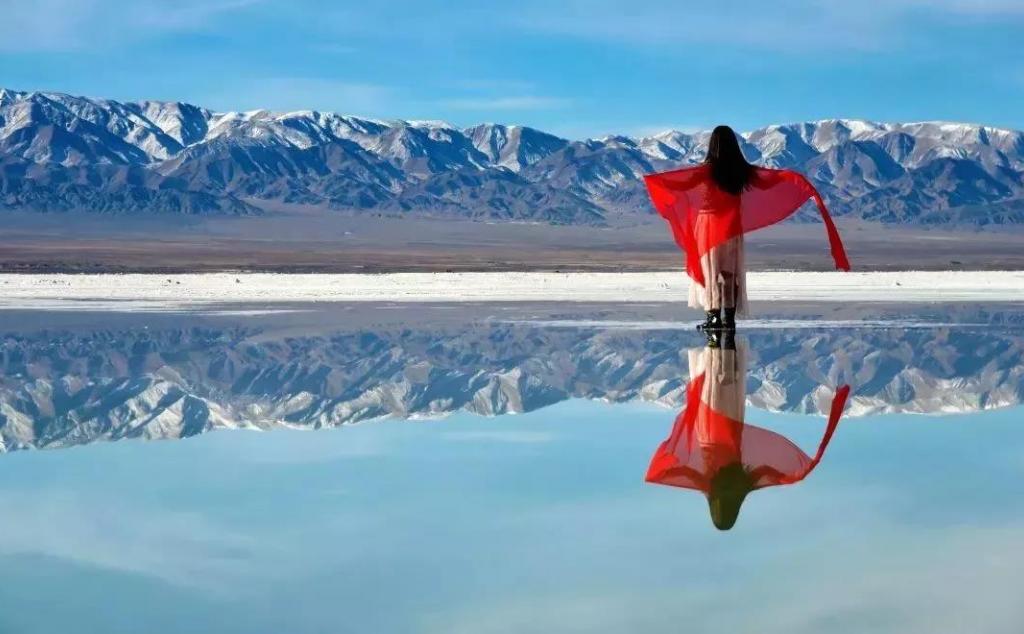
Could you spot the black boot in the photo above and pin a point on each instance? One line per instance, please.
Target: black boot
(713, 321)
(714, 338)
(730, 319)
(729, 340)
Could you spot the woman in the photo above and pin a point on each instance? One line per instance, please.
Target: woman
(712, 205)
(713, 451)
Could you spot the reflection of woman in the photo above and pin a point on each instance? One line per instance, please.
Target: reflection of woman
(712, 450)
(711, 206)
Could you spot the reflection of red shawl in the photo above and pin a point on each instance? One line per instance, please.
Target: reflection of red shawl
(772, 196)
(694, 452)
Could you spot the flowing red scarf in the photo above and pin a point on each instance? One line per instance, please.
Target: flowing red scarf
(680, 196)
(693, 453)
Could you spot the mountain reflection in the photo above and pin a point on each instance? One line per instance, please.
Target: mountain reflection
(711, 449)
(68, 387)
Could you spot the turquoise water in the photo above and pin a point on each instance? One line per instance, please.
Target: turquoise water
(534, 522)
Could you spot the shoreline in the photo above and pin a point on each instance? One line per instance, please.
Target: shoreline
(198, 290)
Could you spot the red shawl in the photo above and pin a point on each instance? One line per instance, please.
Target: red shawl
(693, 453)
(772, 196)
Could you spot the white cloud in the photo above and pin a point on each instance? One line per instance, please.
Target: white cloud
(521, 102)
(302, 93)
(907, 579)
(780, 25)
(177, 547)
(501, 436)
(68, 25)
(651, 130)
(990, 8)
(44, 25)
(496, 86)
(785, 25)
(334, 48)
(290, 446)
(179, 15)
(492, 94)
(580, 130)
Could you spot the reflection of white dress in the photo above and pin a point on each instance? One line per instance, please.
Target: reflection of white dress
(725, 378)
(725, 278)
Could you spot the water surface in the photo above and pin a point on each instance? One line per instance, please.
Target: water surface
(495, 481)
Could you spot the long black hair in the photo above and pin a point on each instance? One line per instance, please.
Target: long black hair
(729, 168)
(729, 487)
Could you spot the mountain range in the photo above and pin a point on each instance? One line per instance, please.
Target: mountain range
(59, 389)
(60, 152)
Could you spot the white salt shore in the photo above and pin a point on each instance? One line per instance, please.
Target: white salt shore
(197, 291)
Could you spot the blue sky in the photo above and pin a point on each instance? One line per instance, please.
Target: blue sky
(577, 68)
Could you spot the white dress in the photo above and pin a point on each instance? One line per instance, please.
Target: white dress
(725, 278)
(725, 379)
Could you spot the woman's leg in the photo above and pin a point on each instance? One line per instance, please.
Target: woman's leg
(712, 290)
(730, 273)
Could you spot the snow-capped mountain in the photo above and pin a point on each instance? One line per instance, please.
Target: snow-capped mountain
(61, 152)
(59, 389)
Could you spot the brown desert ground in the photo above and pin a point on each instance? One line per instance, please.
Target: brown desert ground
(330, 242)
